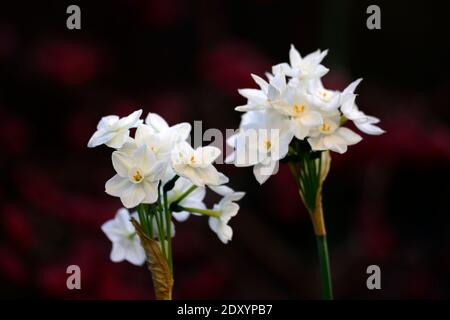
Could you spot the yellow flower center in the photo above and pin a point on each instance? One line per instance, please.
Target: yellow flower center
(137, 176)
(192, 159)
(299, 108)
(267, 144)
(325, 127)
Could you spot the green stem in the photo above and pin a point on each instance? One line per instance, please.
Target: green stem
(142, 217)
(168, 231)
(185, 194)
(325, 274)
(160, 225)
(208, 212)
(150, 215)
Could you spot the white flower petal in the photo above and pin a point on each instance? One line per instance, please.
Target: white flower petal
(349, 91)
(157, 171)
(335, 143)
(116, 185)
(369, 127)
(210, 176)
(122, 163)
(118, 252)
(156, 122)
(133, 195)
(312, 118)
(294, 56)
(260, 82)
(222, 190)
(119, 139)
(206, 155)
(130, 121)
(254, 95)
(189, 173)
(262, 172)
(300, 130)
(349, 136)
(181, 216)
(144, 159)
(316, 143)
(107, 122)
(112, 231)
(100, 137)
(151, 192)
(135, 253)
(181, 131)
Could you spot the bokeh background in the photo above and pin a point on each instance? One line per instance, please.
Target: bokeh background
(386, 200)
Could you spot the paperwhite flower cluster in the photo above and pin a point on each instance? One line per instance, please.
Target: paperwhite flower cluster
(159, 154)
(294, 104)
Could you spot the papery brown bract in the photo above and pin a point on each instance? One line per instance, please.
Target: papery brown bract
(157, 264)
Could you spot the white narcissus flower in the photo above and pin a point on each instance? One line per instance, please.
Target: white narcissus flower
(256, 98)
(329, 136)
(349, 92)
(161, 144)
(308, 67)
(323, 98)
(351, 111)
(268, 95)
(302, 112)
(158, 136)
(362, 121)
(177, 133)
(226, 191)
(114, 131)
(125, 242)
(262, 141)
(197, 165)
(137, 177)
(193, 200)
(312, 111)
(227, 209)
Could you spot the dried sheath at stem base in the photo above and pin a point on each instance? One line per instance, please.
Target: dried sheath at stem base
(157, 264)
(317, 214)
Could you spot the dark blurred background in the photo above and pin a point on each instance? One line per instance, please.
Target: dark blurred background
(385, 200)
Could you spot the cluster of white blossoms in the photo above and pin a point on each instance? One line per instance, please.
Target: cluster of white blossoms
(158, 156)
(293, 104)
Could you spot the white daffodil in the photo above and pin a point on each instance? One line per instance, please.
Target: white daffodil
(308, 67)
(177, 133)
(197, 165)
(302, 112)
(227, 209)
(161, 143)
(125, 242)
(268, 95)
(321, 97)
(368, 125)
(137, 177)
(158, 136)
(329, 136)
(114, 131)
(262, 141)
(193, 200)
(226, 191)
(349, 92)
(362, 121)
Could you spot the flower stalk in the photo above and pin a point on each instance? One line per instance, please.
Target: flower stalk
(310, 170)
(208, 212)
